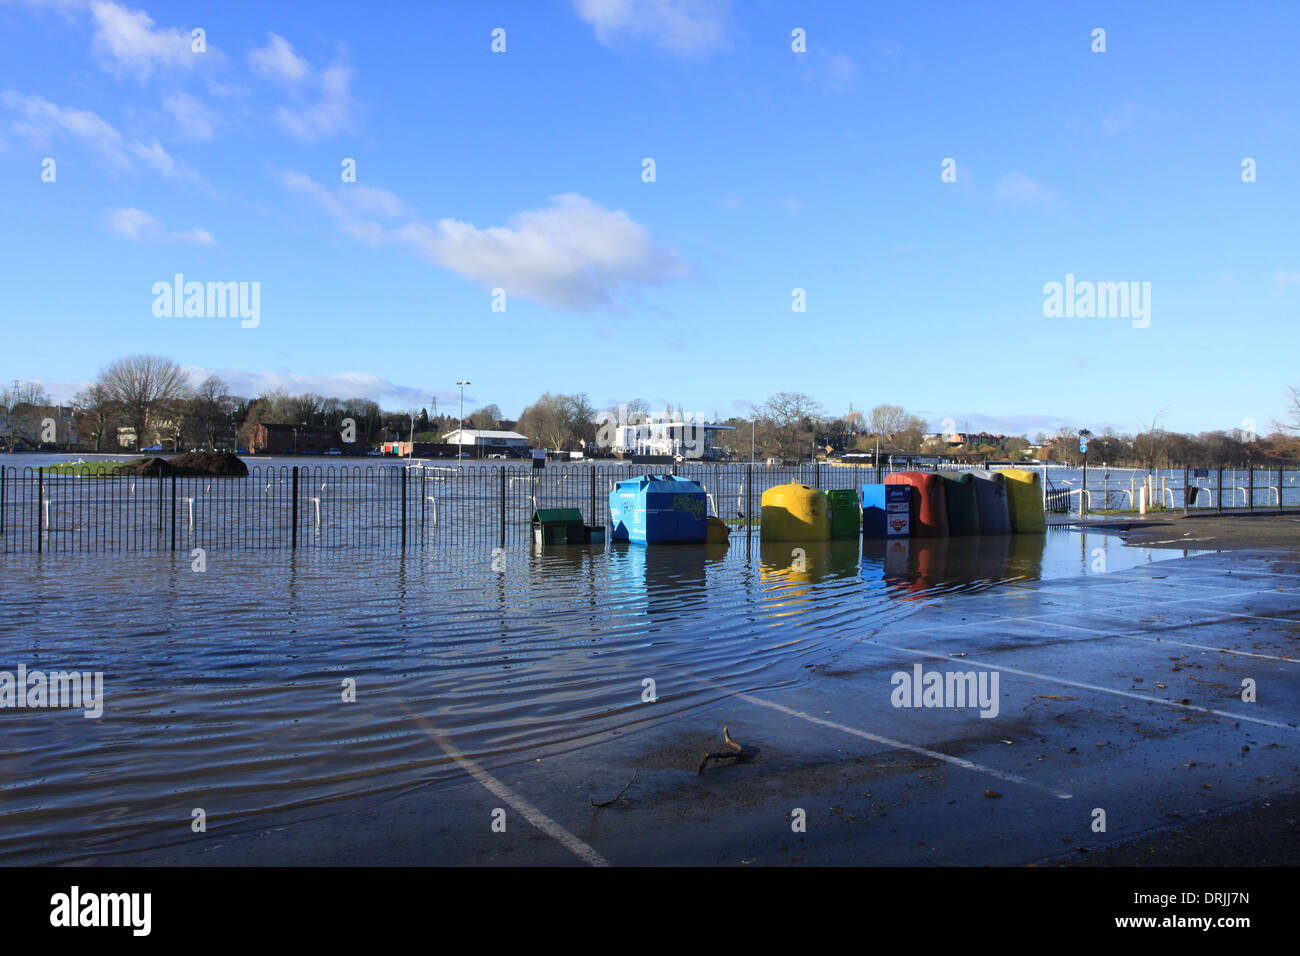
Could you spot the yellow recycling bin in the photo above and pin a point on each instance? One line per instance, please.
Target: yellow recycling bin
(1024, 500)
(795, 512)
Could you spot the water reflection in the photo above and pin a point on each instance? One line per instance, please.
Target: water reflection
(230, 685)
(916, 567)
(788, 572)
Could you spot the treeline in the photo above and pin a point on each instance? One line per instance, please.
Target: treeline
(156, 398)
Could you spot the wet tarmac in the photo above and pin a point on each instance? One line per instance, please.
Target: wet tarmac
(1120, 712)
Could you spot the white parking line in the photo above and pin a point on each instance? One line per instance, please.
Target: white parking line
(1104, 690)
(536, 817)
(899, 745)
(874, 738)
(1164, 640)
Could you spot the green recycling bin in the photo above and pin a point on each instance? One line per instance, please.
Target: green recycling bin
(845, 511)
(558, 526)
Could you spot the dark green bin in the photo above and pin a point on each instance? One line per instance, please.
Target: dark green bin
(846, 512)
(558, 526)
(963, 503)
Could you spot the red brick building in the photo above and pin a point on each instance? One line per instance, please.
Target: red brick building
(294, 440)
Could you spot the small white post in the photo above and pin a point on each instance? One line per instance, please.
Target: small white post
(1142, 500)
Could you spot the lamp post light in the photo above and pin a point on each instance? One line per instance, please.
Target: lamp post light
(460, 433)
(1084, 434)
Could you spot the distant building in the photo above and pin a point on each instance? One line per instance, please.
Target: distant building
(688, 439)
(479, 436)
(293, 440)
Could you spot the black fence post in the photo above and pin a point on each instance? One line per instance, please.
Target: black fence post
(1279, 488)
(591, 517)
(503, 504)
(1184, 489)
(3, 476)
(403, 509)
(293, 521)
(40, 498)
(173, 512)
(1220, 498)
(1250, 495)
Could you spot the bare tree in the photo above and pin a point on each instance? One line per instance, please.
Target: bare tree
(559, 421)
(1292, 422)
(213, 404)
(1150, 444)
(792, 418)
(144, 387)
(96, 412)
(897, 428)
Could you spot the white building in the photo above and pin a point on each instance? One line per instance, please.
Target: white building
(687, 439)
(476, 436)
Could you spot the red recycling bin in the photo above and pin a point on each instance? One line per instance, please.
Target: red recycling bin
(929, 507)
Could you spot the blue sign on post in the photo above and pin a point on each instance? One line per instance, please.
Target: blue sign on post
(1083, 445)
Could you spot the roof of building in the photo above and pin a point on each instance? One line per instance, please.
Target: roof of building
(483, 433)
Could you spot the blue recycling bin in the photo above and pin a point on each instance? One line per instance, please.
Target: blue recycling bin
(658, 509)
(886, 511)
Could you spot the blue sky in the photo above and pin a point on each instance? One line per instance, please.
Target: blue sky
(774, 170)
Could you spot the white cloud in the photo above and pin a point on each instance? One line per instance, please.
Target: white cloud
(197, 236)
(573, 254)
(343, 385)
(41, 121)
(839, 69)
(127, 42)
(330, 114)
(278, 61)
(685, 27)
(307, 120)
(194, 119)
(834, 71)
(133, 223)
(1286, 278)
(349, 204)
(154, 156)
(136, 224)
(1017, 187)
(792, 205)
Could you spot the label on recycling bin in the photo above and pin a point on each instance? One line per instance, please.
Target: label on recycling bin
(897, 524)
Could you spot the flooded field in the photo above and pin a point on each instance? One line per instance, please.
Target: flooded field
(224, 689)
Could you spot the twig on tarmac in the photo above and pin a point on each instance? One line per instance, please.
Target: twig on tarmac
(736, 751)
(618, 798)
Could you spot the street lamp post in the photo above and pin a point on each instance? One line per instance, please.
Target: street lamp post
(460, 433)
(1084, 434)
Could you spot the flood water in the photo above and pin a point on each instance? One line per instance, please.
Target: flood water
(223, 688)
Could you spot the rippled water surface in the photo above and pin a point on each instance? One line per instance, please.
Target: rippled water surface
(223, 689)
